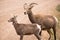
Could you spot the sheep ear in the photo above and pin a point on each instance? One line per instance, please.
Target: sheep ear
(25, 6)
(15, 16)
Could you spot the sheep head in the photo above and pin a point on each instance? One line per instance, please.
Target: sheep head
(28, 7)
(12, 19)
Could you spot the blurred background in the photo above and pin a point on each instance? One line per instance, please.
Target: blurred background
(9, 8)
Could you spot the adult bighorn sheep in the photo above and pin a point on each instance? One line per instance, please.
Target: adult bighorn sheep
(25, 29)
(47, 21)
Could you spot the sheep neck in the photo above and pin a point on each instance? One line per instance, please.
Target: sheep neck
(31, 16)
(15, 24)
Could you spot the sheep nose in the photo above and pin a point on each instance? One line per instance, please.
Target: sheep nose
(25, 13)
(8, 20)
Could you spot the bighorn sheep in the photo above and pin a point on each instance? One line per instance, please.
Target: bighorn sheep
(25, 29)
(47, 21)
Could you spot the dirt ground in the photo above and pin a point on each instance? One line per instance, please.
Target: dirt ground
(9, 8)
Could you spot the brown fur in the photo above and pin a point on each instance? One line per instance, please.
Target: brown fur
(47, 21)
(25, 29)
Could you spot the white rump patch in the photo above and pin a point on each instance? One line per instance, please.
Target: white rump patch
(56, 19)
(39, 26)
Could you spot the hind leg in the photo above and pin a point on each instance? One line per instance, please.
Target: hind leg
(49, 34)
(37, 35)
(40, 33)
(54, 30)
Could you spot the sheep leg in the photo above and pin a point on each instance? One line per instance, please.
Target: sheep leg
(54, 30)
(21, 37)
(49, 34)
(37, 35)
(40, 33)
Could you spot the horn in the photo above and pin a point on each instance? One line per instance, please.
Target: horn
(32, 5)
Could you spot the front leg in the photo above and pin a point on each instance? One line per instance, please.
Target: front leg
(21, 37)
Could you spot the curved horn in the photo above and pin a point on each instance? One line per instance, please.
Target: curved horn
(32, 5)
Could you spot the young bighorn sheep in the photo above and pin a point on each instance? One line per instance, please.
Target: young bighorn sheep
(25, 29)
(46, 21)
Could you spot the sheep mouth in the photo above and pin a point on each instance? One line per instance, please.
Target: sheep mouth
(9, 21)
(25, 13)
